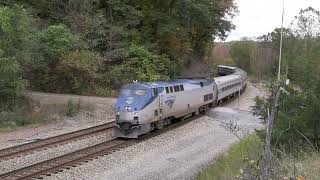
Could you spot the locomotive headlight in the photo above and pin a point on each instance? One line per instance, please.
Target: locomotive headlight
(135, 113)
(118, 112)
(127, 108)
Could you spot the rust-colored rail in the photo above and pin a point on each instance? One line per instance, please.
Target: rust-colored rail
(72, 159)
(29, 148)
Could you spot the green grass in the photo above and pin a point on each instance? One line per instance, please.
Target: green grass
(18, 118)
(31, 114)
(242, 157)
(306, 164)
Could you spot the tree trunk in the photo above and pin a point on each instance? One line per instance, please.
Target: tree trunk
(267, 153)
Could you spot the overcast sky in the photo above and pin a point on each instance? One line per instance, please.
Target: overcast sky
(258, 17)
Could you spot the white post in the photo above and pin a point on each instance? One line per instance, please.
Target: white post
(281, 39)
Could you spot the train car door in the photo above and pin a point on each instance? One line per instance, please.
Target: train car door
(158, 109)
(160, 104)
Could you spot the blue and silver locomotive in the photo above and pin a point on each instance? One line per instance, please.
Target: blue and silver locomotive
(143, 107)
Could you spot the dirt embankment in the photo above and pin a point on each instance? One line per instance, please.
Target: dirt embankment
(101, 110)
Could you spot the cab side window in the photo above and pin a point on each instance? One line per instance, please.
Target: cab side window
(155, 91)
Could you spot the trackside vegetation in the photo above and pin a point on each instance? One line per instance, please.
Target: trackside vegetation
(240, 162)
(31, 114)
(93, 47)
(295, 138)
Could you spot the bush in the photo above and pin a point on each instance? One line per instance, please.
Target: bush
(149, 66)
(78, 71)
(297, 124)
(306, 164)
(14, 33)
(72, 108)
(11, 83)
(28, 113)
(141, 65)
(240, 162)
(57, 40)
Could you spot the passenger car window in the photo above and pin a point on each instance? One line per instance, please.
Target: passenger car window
(171, 89)
(167, 90)
(176, 88)
(181, 88)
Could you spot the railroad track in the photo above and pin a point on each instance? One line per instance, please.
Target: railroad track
(58, 164)
(28, 148)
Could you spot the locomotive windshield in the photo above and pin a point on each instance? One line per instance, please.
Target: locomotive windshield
(137, 92)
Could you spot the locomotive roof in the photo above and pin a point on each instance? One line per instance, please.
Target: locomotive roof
(228, 67)
(171, 82)
(226, 79)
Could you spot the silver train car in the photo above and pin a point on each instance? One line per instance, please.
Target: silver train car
(144, 107)
(230, 82)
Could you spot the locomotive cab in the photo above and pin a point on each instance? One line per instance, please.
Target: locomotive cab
(132, 110)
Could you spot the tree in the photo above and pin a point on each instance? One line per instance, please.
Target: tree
(14, 41)
(78, 72)
(11, 83)
(185, 29)
(307, 23)
(142, 65)
(59, 32)
(149, 66)
(243, 53)
(54, 43)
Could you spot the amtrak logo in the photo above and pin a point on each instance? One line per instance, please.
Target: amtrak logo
(170, 101)
(129, 100)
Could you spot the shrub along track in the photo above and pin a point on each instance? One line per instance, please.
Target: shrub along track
(73, 159)
(18, 151)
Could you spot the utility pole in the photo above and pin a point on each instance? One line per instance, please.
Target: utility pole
(267, 153)
(281, 40)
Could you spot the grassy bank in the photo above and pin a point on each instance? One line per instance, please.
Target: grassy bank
(241, 158)
(306, 164)
(30, 114)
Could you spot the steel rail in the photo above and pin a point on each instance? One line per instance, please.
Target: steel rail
(28, 148)
(58, 164)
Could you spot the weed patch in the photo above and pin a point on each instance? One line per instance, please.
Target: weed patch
(241, 160)
(28, 113)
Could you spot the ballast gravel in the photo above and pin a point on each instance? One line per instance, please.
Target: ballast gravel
(178, 154)
(20, 162)
(101, 113)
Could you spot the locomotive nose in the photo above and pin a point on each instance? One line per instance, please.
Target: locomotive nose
(127, 117)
